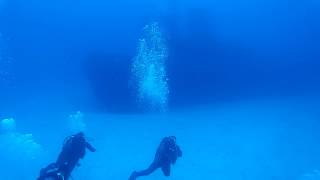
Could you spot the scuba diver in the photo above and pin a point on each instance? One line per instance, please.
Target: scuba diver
(73, 150)
(167, 154)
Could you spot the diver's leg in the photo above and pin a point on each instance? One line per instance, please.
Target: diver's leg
(64, 171)
(166, 169)
(68, 169)
(44, 171)
(145, 172)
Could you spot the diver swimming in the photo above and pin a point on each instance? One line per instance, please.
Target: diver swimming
(74, 149)
(167, 154)
(75, 146)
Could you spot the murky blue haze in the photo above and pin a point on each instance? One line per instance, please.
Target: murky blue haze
(237, 81)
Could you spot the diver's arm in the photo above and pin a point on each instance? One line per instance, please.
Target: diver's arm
(179, 152)
(90, 147)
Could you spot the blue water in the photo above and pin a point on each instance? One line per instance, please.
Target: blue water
(236, 81)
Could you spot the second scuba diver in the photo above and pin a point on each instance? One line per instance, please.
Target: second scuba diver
(166, 155)
(73, 150)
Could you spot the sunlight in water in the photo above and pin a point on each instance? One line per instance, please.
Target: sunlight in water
(149, 70)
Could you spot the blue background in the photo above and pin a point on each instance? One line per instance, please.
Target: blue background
(262, 57)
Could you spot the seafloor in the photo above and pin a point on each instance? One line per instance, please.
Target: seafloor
(252, 140)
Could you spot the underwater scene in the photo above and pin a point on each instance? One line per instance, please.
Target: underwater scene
(159, 89)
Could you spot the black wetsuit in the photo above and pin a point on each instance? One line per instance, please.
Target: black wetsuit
(73, 150)
(52, 172)
(167, 154)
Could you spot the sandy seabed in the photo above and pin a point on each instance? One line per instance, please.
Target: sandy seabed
(261, 140)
